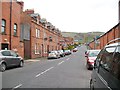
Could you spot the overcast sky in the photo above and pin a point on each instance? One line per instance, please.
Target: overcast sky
(77, 15)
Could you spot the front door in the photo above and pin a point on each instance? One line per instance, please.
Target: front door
(4, 46)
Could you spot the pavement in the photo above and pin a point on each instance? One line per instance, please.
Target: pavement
(35, 59)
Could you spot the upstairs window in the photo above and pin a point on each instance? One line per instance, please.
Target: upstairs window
(3, 28)
(37, 33)
(15, 29)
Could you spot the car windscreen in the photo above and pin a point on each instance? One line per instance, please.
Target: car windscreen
(93, 54)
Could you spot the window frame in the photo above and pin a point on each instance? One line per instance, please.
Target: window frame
(37, 48)
(15, 30)
(3, 26)
(100, 63)
(3, 53)
(37, 33)
(114, 65)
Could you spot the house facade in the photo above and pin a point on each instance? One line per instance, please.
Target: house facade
(38, 35)
(27, 33)
(104, 39)
(10, 26)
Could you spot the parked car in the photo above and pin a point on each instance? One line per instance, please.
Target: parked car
(75, 50)
(67, 52)
(53, 54)
(9, 58)
(106, 72)
(91, 55)
(62, 54)
(86, 52)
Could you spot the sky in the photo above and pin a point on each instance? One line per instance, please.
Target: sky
(77, 15)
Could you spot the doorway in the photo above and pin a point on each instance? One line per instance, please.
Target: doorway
(4, 46)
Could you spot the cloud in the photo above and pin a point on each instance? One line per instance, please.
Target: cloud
(77, 15)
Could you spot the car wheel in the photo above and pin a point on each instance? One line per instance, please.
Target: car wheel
(21, 64)
(2, 67)
(86, 65)
(91, 85)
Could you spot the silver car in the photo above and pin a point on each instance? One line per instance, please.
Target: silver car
(9, 58)
(53, 54)
(61, 52)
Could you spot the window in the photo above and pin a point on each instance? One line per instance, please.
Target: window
(3, 31)
(13, 54)
(37, 48)
(116, 64)
(6, 53)
(107, 58)
(104, 61)
(15, 29)
(97, 61)
(37, 33)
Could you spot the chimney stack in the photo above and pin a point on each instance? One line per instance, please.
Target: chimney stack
(21, 3)
(29, 11)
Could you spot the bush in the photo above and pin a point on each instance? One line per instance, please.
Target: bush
(70, 47)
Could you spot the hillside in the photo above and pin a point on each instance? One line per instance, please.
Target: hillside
(82, 37)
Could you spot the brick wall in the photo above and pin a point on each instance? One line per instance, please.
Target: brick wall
(35, 41)
(26, 23)
(107, 37)
(15, 19)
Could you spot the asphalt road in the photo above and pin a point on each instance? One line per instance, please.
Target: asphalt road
(67, 72)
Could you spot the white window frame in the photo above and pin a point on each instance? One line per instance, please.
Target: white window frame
(3, 26)
(37, 48)
(37, 33)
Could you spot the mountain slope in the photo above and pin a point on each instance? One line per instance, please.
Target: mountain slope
(82, 37)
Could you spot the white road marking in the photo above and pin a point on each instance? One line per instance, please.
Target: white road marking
(51, 60)
(67, 58)
(17, 86)
(61, 62)
(44, 72)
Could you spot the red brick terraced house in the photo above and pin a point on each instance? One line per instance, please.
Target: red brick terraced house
(39, 36)
(10, 26)
(26, 33)
(104, 39)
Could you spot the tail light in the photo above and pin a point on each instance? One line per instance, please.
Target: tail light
(90, 61)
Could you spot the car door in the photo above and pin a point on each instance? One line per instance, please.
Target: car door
(97, 79)
(15, 58)
(102, 77)
(7, 57)
(114, 81)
